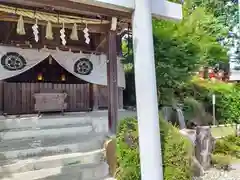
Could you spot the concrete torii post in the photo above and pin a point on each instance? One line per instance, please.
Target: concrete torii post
(145, 77)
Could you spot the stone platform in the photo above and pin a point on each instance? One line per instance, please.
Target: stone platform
(55, 147)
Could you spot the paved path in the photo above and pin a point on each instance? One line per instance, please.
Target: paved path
(215, 174)
(236, 166)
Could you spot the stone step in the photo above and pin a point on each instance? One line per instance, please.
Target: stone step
(59, 132)
(70, 172)
(51, 146)
(45, 141)
(40, 122)
(34, 121)
(33, 164)
(47, 127)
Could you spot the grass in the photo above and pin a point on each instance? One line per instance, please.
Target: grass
(223, 131)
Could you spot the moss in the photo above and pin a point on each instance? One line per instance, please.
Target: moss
(176, 150)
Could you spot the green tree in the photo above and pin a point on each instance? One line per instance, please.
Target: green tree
(181, 48)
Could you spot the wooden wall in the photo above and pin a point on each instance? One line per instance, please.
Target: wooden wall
(101, 97)
(17, 98)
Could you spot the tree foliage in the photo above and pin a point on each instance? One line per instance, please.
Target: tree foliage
(181, 48)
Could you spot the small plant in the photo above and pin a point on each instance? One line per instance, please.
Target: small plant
(229, 145)
(221, 161)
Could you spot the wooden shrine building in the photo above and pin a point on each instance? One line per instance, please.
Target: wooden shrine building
(46, 51)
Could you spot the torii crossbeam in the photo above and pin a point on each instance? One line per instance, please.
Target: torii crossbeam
(159, 8)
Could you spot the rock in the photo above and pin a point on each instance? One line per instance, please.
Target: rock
(111, 157)
(190, 134)
(204, 146)
(196, 166)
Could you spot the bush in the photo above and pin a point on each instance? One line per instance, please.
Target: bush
(229, 145)
(227, 98)
(195, 112)
(176, 150)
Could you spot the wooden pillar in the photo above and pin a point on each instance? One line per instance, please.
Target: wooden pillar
(95, 97)
(120, 98)
(112, 81)
(1, 96)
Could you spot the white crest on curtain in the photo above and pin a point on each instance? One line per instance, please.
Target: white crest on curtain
(67, 60)
(31, 56)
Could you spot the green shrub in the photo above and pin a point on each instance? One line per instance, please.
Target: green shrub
(176, 152)
(227, 98)
(221, 161)
(233, 139)
(195, 112)
(229, 145)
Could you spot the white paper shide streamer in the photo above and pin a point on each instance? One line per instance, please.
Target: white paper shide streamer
(74, 34)
(20, 26)
(35, 31)
(62, 35)
(86, 35)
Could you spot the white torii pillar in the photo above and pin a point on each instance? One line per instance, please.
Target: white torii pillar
(146, 93)
(145, 76)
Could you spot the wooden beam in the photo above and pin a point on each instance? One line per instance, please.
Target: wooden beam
(94, 28)
(118, 5)
(112, 81)
(69, 6)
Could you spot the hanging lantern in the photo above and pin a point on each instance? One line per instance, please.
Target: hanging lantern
(20, 26)
(63, 77)
(39, 77)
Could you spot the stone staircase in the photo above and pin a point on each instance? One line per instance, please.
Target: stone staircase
(53, 148)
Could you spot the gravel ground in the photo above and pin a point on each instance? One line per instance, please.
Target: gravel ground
(214, 174)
